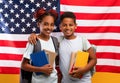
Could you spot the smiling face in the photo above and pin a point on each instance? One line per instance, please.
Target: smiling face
(68, 26)
(46, 25)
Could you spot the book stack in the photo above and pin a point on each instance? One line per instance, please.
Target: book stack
(78, 59)
(42, 58)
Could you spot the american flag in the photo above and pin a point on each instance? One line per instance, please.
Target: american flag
(16, 23)
(97, 20)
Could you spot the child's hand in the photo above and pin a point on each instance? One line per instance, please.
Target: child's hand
(47, 69)
(77, 72)
(32, 38)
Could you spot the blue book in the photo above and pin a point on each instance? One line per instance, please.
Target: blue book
(39, 59)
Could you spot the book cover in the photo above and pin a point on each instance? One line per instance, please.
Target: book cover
(81, 59)
(39, 59)
(51, 56)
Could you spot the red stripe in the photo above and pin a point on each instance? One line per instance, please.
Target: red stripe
(10, 57)
(9, 70)
(91, 2)
(106, 42)
(105, 68)
(106, 55)
(99, 29)
(96, 16)
(20, 44)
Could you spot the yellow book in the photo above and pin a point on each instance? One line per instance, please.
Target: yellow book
(81, 59)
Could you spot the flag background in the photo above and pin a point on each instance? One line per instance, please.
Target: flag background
(97, 20)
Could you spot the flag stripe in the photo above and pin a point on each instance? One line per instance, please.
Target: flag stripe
(19, 44)
(90, 9)
(97, 29)
(9, 70)
(91, 2)
(108, 55)
(105, 68)
(15, 57)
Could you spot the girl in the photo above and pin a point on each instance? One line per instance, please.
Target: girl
(45, 22)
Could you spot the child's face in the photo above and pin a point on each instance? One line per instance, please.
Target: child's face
(46, 25)
(67, 26)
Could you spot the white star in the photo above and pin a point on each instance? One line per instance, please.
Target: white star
(27, 15)
(17, 24)
(6, 6)
(11, 11)
(3, 29)
(6, 24)
(1, 19)
(54, 7)
(6, 15)
(1, 10)
(26, 5)
(33, 19)
(28, 24)
(48, 4)
(17, 15)
(12, 29)
(43, 0)
(21, 1)
(12, 20)
(37, 5)
(16, 6)
(22, 10)
(23, 29)
(32, 9)
(10, 1)
(22, 20)
(32, 1)
(1, 1)
(33, 29)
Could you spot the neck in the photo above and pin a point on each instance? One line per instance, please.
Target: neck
(70, 37)
(43, 37)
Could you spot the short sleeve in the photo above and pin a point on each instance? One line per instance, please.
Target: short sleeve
(86, 44)
(28, 51)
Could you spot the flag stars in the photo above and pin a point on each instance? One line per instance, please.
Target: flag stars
(1, 19)
(55, 8)
(12, 20)
(10, 1)
(3, 29)
(12, 29)
(21, 1)
(17, 15)
(6, 15)
(17, 24)
(37, 5)
(11, 11)
(33, 19)
(27, 15)
(32, 9)
(43, 0)
(6, 6)
(6, 24)
(23, 20)
(16, 6)
(26, 5)
(32, 1)
(1, 10)
(1, 1)
(48, 4)
(22, 10)
(34, 29)
(23, 29)
(28, 24)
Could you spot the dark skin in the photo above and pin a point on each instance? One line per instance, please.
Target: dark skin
(46, 26)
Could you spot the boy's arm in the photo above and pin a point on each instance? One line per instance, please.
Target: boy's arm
(32, 38)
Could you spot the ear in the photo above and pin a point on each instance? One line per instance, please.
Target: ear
(75, 26)
(60, 26)
(38, 24)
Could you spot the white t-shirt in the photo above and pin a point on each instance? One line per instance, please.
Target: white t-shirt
(65, 50)
(48, 45)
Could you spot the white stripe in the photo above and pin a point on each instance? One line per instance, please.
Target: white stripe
(94, 36)
(112, 49)
(98, 22)
(10, 63)
(110, 62)
(90, 9)
(11, 50)
(14, 37)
